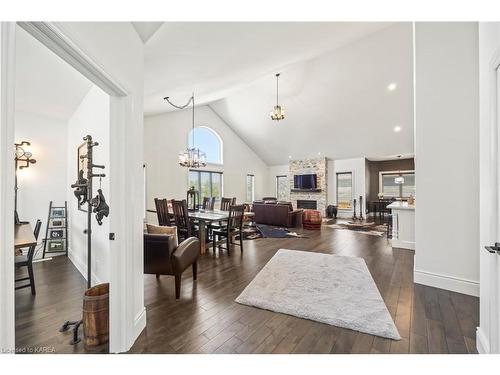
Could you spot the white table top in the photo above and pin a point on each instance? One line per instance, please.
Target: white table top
(401, 206)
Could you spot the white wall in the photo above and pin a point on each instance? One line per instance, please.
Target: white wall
(45, 180)
(117, 48)
(272, 172)
(91, 117)
(167, 134)
(489, 45)
(447, 133)
(357, 167)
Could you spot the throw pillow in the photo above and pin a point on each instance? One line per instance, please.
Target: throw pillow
(159, 229)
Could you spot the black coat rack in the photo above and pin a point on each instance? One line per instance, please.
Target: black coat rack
(84, 192)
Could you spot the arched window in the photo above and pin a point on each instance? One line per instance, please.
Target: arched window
(208, 141)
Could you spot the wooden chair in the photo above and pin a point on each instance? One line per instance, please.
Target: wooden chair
(185, 228)
(233, 227)
(225, 203)
(27, 261)
(162, 212)
(208, 203)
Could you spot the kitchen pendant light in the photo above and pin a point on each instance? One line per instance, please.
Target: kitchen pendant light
(399, 179)
(278, 113)
(191, 157)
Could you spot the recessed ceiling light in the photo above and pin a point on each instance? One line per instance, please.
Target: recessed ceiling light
(392, 86)
(397, 129)
(319, 153)
(289, 157)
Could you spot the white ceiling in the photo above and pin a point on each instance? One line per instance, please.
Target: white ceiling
(146, 29)
(336, 104)
(333, 84)
(45, 84)
(214, 59)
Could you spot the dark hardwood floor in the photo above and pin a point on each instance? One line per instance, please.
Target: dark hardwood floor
(207, 320)
(59, 297)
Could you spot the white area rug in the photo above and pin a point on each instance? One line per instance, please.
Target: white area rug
(332, 289)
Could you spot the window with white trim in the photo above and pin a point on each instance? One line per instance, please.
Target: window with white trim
(250, 188)
(207, 141)
(391, 189)
(208, 183)
(282, 188)
(344, 190)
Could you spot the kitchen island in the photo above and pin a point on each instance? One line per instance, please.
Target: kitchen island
(403, 225)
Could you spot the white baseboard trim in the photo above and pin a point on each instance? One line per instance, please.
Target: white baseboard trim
(403, 244)
(82, 268)
(482, 344)
(139, 324)
(454, 284)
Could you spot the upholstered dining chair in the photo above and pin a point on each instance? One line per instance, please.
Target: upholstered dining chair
(233, 227)
(27, 261)
(162, 212)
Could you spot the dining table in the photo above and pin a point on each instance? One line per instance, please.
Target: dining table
(23, 236)
(204, 218)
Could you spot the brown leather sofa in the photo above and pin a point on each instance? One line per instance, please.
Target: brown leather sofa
(161, 257)
(280, 214)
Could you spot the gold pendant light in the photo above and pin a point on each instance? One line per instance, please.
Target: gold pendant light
(278, 113)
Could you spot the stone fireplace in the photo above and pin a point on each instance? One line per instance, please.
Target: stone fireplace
(307, 204)
(317, 197)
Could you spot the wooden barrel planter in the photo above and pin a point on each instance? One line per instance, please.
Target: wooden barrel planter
(311, 220)
(96, 317)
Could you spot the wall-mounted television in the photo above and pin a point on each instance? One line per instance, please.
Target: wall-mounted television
(305, 181)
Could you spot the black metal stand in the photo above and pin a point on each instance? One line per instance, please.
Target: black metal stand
(76, 325)
(361, 208)
(354, 217)
(87, 186)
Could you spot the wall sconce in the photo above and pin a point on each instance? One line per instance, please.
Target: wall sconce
(22, 159)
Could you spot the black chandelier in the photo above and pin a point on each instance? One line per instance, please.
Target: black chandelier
(191, 157)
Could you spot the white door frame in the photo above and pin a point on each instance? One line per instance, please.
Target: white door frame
(488, 339)
(123, 323)
(7, 85)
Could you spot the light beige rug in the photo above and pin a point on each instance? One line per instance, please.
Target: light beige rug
(332, 289)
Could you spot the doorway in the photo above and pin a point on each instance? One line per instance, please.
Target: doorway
(126, 318)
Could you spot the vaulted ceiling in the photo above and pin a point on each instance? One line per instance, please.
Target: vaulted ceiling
(334, 83)
(214, 59)
(45, 84)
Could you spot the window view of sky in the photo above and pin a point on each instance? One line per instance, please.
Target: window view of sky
(208, 142)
